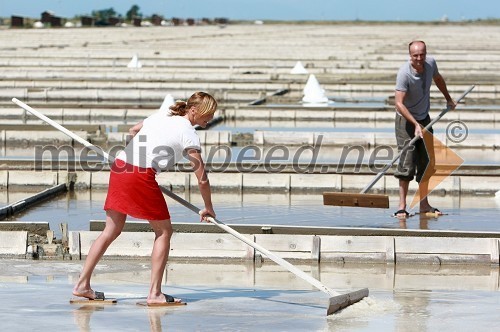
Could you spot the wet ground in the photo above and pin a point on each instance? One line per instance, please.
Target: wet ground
(34, 295)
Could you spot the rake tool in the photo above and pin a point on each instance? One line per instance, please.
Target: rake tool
(363, 199)
(337, 301)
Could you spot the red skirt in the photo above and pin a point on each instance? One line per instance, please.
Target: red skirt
(134, 191)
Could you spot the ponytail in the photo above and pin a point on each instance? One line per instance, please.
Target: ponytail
(179, 108)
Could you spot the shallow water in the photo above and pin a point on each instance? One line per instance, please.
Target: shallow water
(464, 213)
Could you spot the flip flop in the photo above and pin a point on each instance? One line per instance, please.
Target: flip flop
(99, 296)
(99, 299)
(169, 301)
(432, 213)
(406, 213)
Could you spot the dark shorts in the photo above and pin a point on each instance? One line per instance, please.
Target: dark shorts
(413, 161)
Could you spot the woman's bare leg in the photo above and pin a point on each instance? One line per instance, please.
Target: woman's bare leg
(159, 256)
(114, 226)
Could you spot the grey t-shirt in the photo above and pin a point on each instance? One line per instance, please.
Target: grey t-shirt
(417, 87)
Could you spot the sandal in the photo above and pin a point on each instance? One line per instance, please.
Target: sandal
(169, 298)
(398, 213)
(432, 211)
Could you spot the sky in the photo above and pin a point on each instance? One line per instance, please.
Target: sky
(337, 10)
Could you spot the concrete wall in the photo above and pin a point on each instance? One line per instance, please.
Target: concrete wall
(311, 248)
(13, 243)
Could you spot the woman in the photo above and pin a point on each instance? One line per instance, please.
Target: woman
(158, 143)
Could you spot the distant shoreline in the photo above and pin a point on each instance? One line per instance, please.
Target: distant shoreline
(489, 21)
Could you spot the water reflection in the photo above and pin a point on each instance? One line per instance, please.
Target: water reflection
(155, 315)
(423, 219)
(83, 314)
(82, 317)
(414, 310)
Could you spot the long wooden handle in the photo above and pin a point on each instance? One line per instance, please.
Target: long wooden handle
(63, 129)
(280, 261)
(414, 139)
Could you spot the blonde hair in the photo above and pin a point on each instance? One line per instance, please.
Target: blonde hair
(205, 104)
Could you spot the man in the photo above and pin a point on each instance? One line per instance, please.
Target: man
(412, 99)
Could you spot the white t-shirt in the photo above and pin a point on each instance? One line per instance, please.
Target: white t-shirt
(161, 142)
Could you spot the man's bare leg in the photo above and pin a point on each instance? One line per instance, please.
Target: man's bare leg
(423, 188)
(403, 192)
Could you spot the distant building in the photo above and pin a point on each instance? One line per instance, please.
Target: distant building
(156, 19)
(55, 21)
(113, 21)
(87, 21)
(137, 21)
(16, 21)
(221, 20)
(177, 21)
(46, 16)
